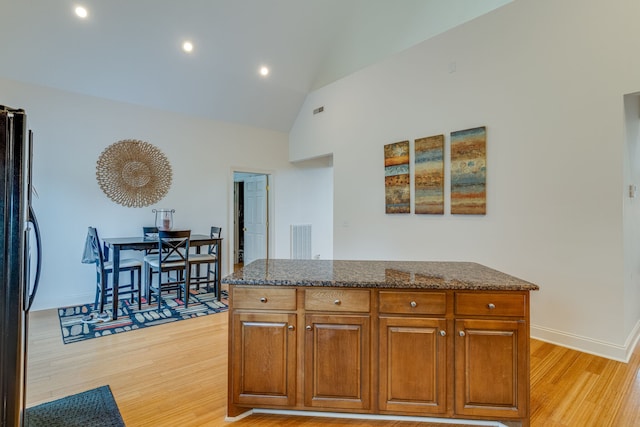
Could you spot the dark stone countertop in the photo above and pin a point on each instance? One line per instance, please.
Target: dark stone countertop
(376, 274)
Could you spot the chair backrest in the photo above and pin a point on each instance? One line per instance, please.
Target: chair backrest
(93, 242)
(147, 232)
(215, 232)
(174, 244)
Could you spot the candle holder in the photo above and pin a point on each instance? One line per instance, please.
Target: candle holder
(164, 219)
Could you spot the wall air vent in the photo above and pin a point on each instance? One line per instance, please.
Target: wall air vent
(318, 110)
(300, 241)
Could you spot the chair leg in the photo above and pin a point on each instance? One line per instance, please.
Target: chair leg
(216, 288)
(104, 283)
(159, 291)
(208, 278)
(139, 288)
(186, 288)
(147, 282)
(133, 273)
(95, 303)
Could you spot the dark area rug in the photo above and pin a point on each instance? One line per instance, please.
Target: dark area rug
(92, 408)
(74, 329)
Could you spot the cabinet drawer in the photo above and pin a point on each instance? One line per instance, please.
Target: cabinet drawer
(337, 300)
(264, 298)
(413, 302)
(490, 304)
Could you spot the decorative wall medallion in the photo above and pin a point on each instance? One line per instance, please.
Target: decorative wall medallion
(133, 173)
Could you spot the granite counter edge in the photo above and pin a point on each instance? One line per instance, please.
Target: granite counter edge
(434, 286)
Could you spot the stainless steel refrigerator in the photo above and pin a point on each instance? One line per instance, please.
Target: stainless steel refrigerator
(19, 263)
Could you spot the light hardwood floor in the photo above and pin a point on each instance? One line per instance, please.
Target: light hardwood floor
(175, 375)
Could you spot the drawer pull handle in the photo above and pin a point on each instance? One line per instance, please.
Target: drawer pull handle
(308, 328)
(443, 333)
(291, 327)
(263, 300)
(461, 333)
(414, 304)
(491, 306)
(337, 302)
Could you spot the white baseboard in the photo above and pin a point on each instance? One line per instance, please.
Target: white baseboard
(48, 303)
(605, 349)
(239, 417)
(369, 417)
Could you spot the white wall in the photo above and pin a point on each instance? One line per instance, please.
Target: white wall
(70, 133)
(631, 167)
(547, 79)
(315, 184)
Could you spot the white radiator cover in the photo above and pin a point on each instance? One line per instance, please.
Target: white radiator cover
(301, 241)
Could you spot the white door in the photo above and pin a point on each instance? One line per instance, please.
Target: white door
(255, 218)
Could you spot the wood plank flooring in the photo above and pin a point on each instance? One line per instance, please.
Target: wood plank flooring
(175, 375)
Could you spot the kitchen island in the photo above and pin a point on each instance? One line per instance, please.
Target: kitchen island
(399, 338)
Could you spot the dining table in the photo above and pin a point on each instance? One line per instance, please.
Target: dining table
(114, 245)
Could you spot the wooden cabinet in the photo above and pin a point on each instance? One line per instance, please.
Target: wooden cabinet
(337, 350)
(337, 361)
(413, 365)
(264, 347)
(492, 355)
(492, 372)
(412, 352)
(438, 353)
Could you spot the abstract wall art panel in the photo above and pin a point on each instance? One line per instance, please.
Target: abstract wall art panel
(429, 175)
(469, 171)
(396, 178)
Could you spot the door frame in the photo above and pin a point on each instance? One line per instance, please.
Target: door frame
(231, 214)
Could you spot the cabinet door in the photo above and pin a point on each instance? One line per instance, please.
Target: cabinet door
(492, 368)
(413, 365)
(264, 365)
(337, 361)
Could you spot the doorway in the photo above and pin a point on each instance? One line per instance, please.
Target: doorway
(250, 217)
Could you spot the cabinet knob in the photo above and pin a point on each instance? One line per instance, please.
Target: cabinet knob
(491, 306)
(291, 327)
(263, 299)
(443, 333)
(461, 333)
(337, 302)
(413, 304)
(308, 328)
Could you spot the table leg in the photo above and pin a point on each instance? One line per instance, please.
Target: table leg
(116, 280)
(198, 277)
(218, 271)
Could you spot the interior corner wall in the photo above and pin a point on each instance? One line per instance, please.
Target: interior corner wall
(70, 132)
(631, 162)
(316, 184)
(548, 88)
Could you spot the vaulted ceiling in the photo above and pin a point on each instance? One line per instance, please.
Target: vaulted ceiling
(131, 50)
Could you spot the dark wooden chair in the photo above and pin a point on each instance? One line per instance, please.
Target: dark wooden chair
(172, 256)
(150, 233)
(104, 288)
(209, 259)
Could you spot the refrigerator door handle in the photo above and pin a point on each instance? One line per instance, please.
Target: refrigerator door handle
(29, 298)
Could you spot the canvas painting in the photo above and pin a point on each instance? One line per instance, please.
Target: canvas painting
(396, 178)
(429, 175)
(469, 171)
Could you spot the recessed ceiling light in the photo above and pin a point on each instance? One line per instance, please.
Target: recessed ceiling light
(81, 11)
(264, 71)
(187, 46)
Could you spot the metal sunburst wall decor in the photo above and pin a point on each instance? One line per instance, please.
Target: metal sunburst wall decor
(133, 173)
